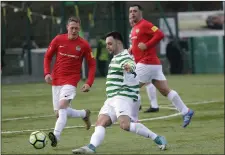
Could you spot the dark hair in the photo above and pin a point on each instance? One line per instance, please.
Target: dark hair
(116, 35)
(137, 5)
(74, 19)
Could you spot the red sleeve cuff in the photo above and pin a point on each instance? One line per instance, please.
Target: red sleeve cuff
(46, 74)
(89, 83)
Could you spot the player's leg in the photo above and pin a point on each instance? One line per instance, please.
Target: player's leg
(161, 84)
(69, 92)
(144, 76)
(55, 99)
(151, 91)
(126, 111)
(84, 114)
(65, 94)
(106, 118)
(97, 137)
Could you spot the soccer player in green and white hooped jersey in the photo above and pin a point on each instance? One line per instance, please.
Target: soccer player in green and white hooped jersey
(122, 98)
(119, 82)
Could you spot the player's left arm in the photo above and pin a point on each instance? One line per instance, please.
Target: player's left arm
(155, 32)
(91, 64)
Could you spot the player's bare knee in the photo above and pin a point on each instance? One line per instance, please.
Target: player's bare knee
(164, 91)
(100, 123)
(63, 104)
(125, 125)
(104, 121)
(124, 122)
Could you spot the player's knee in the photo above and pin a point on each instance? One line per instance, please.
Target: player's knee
(164, 91)
(103, 121)
(63, 104)
(125, 125)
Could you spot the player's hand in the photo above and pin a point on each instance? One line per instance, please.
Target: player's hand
(48, 78)
(142, 46)
(85, 88)
(127, 67)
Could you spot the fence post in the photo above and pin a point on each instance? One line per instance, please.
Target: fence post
(121, 20)
(63, 22)
(28, 32)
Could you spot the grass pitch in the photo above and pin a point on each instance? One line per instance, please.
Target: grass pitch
(29, 107)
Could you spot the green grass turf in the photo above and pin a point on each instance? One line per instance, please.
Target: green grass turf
(205, 134)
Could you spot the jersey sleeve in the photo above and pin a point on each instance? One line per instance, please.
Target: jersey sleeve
(127, 59)
(88, 54)
(52, 48)
(155, 32)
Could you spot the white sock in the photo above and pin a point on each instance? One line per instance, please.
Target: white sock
(60, 123)
(98, 136)
(75, 113)
(151, 91)
(142, 130)
(177, 102)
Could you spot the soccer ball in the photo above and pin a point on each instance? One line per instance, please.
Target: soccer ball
(38, 139)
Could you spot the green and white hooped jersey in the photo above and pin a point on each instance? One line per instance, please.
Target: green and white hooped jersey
(119, 82)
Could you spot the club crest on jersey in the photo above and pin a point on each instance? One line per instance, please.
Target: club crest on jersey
(78, 48)
(137, 31)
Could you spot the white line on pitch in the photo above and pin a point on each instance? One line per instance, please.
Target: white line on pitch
(80, 126)
(142, 120)
(26, 117)
(47, 116)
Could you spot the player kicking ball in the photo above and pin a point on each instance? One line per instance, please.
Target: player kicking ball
(69, 49)
(122, 103)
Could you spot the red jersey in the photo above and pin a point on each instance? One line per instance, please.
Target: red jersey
(69, 56)
(149, 34)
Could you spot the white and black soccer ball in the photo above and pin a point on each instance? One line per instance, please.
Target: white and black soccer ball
(38, 139)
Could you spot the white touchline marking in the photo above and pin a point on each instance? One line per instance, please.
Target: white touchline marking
(81, 126)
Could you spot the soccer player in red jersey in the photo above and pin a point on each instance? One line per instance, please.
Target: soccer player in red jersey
(69, 50)
(145, 36)
(150, 88)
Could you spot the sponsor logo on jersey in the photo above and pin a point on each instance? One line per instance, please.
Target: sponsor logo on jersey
(78, 48)
(137, 31)
(69, 55)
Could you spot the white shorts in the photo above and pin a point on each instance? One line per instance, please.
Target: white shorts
(146, 73)
(120, 105)
(67, 92)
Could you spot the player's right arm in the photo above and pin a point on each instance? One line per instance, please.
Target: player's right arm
(48, 58)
